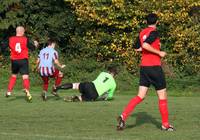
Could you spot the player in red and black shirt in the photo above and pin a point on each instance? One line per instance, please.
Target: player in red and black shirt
(151, 73)
(19, 46)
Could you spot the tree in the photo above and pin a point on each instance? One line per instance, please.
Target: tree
(42, 19)
(107, 29)
(113, 27)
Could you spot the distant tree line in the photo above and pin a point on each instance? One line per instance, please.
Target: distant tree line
(107, 29)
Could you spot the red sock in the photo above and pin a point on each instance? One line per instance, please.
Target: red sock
(58, 81)
(164, 112)
(11, 83)
(26, 84)
(45, 83)
(130, 107)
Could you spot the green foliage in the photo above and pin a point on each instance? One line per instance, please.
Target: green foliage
(106, 29)
(80, 70)
(10, 13)
(42, 19)
(120, 20)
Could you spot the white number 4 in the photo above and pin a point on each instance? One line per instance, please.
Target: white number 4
(18, 48)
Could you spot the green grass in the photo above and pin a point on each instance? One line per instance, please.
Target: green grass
(58, 120)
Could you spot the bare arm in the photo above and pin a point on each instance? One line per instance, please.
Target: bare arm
(56, 61)
(138, 50)
(149, 48)
(147, 44)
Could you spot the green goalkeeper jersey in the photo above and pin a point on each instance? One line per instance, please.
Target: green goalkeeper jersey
(105, 83)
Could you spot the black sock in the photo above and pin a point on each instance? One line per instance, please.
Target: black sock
(65, 86)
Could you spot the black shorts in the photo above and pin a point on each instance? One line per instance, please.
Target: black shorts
(20, 66)
(152, 75)
(88, 91)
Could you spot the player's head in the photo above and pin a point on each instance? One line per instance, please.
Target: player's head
(112, 70)
(20, 31)
(151, 19)
(51, 43)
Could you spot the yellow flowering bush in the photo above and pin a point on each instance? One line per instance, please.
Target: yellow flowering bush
(121, 20)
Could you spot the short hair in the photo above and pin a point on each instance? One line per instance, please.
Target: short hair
(151, 18)
(51, 41)
(113, 69)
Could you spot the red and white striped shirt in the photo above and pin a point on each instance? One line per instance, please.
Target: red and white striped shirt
(47, 57)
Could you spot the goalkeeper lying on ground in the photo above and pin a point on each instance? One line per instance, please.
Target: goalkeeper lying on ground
(100, 89)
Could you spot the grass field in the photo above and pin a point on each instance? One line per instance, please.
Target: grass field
(58, 120)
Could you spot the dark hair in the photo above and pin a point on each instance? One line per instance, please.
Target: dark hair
(50, 41)
(113, 69)
(151, 18)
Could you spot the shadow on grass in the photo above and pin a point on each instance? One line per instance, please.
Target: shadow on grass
(142, 118)
(14, 98)
(50, 97)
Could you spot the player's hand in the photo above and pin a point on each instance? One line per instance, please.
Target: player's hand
(63, 66)
(162, 54)
(36, 43)
(138, 50)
